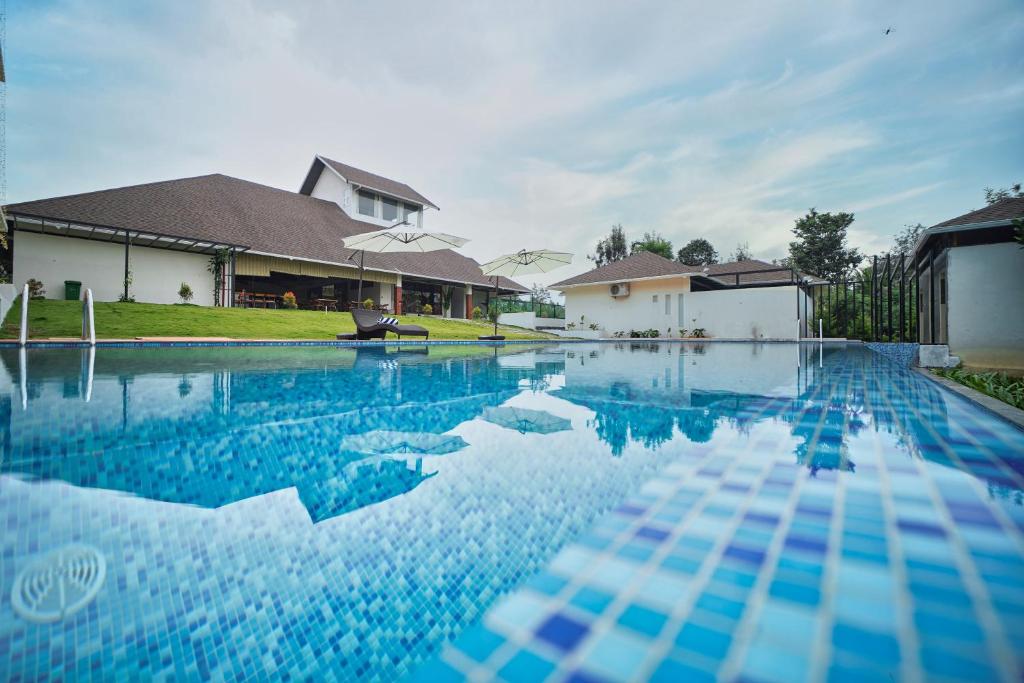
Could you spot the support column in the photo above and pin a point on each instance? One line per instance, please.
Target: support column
(398, 296)
(469, 302)
(127, 246)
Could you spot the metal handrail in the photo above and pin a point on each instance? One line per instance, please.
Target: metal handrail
(23, 334)
(88, 319)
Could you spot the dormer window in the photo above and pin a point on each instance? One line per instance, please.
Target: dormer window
(384, 208)
(367, 203)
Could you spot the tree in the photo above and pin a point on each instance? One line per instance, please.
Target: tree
(540, 294)
(905, 240)
(612, 248)
(698, 252)
(993, 195)
(742, 252)
(654, 243)
(216, 266)
(820, 245)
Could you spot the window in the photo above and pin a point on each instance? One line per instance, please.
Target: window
(942, 290)
(367, 203)
(668, 300)
(654, 298)
(389, 209)
(408, 210)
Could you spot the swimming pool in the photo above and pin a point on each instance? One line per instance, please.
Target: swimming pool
(604, 511)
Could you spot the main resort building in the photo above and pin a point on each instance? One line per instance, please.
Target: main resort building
(144, 241)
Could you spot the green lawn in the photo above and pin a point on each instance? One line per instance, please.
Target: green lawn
(49, 318)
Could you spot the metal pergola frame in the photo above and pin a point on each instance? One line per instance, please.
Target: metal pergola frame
(108, 234)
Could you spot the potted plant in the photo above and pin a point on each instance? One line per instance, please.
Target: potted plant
(185, 293)
(289, 301)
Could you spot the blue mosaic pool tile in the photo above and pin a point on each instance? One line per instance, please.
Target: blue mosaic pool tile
(615, 656)
(526, 667)
(643, 620)
(478, 642)
(562, 632)
(592, 599)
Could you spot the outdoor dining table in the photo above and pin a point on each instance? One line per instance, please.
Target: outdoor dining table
(326, 304)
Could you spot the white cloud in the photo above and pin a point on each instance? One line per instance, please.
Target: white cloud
(531, 125)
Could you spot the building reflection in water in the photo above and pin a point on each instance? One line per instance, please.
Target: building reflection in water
(163, 425)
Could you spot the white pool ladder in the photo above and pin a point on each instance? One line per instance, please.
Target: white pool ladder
(23, 334)
(88, 319)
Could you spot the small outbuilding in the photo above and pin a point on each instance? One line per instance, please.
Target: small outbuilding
(970, 273)
(738, 300)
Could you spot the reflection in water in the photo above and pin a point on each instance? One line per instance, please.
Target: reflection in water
(263, 419)
(436, 479)
(525, 420)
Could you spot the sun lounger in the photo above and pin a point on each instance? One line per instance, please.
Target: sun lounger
(371, 325)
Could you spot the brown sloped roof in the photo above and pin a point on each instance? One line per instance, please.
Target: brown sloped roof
(648, 265)
(640, 265)
(772, 273)
(219, 208)
(371, 181)
(1003, 210)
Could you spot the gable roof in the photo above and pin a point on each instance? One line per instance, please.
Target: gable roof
(1002, 211)
(641, 265)
(223, 209)
(357, 176)
(646, 265)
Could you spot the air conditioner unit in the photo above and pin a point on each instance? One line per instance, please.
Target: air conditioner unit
(621, 289)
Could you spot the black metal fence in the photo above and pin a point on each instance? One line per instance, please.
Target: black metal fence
(876, 303)
(540, 308)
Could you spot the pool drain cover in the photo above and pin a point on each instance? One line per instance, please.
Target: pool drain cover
(58, 584)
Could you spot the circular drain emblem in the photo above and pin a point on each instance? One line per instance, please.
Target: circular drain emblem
(59, 583)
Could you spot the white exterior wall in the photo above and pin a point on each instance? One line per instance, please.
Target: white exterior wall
(638, 311)
(760, 313)
(986, 305)
(157, 273)
(8, 293)
(332, 188)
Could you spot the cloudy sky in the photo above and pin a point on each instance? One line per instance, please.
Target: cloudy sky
(537, 125)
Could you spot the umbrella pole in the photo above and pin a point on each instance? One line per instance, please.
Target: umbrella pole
(359, 297)
(496, 311)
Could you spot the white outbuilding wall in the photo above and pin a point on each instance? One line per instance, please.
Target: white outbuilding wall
(755, 313)
(985, 305)
(157, 273)
(643, 309)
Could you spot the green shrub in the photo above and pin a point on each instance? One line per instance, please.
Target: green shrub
(185, 293)
(477, 313)
(427, 309)
(995, 384)
(35, 289)
(368, 303)
(289, 301)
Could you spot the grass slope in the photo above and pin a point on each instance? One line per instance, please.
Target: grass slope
(51, 318)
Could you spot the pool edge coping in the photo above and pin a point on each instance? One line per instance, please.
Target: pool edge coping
(1014, 416)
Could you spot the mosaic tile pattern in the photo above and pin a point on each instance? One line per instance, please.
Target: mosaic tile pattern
(904, 560)
(696, 521)
(904, 354)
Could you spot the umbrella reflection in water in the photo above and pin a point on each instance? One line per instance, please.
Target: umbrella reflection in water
(525, 420)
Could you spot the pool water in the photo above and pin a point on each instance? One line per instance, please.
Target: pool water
(599, 511)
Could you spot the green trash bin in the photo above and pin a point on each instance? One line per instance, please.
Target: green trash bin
(72, 290)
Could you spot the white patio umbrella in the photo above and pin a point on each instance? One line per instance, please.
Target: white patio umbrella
(400, 237)
(524, 263)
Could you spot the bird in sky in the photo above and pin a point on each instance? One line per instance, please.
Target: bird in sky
(888, 30)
